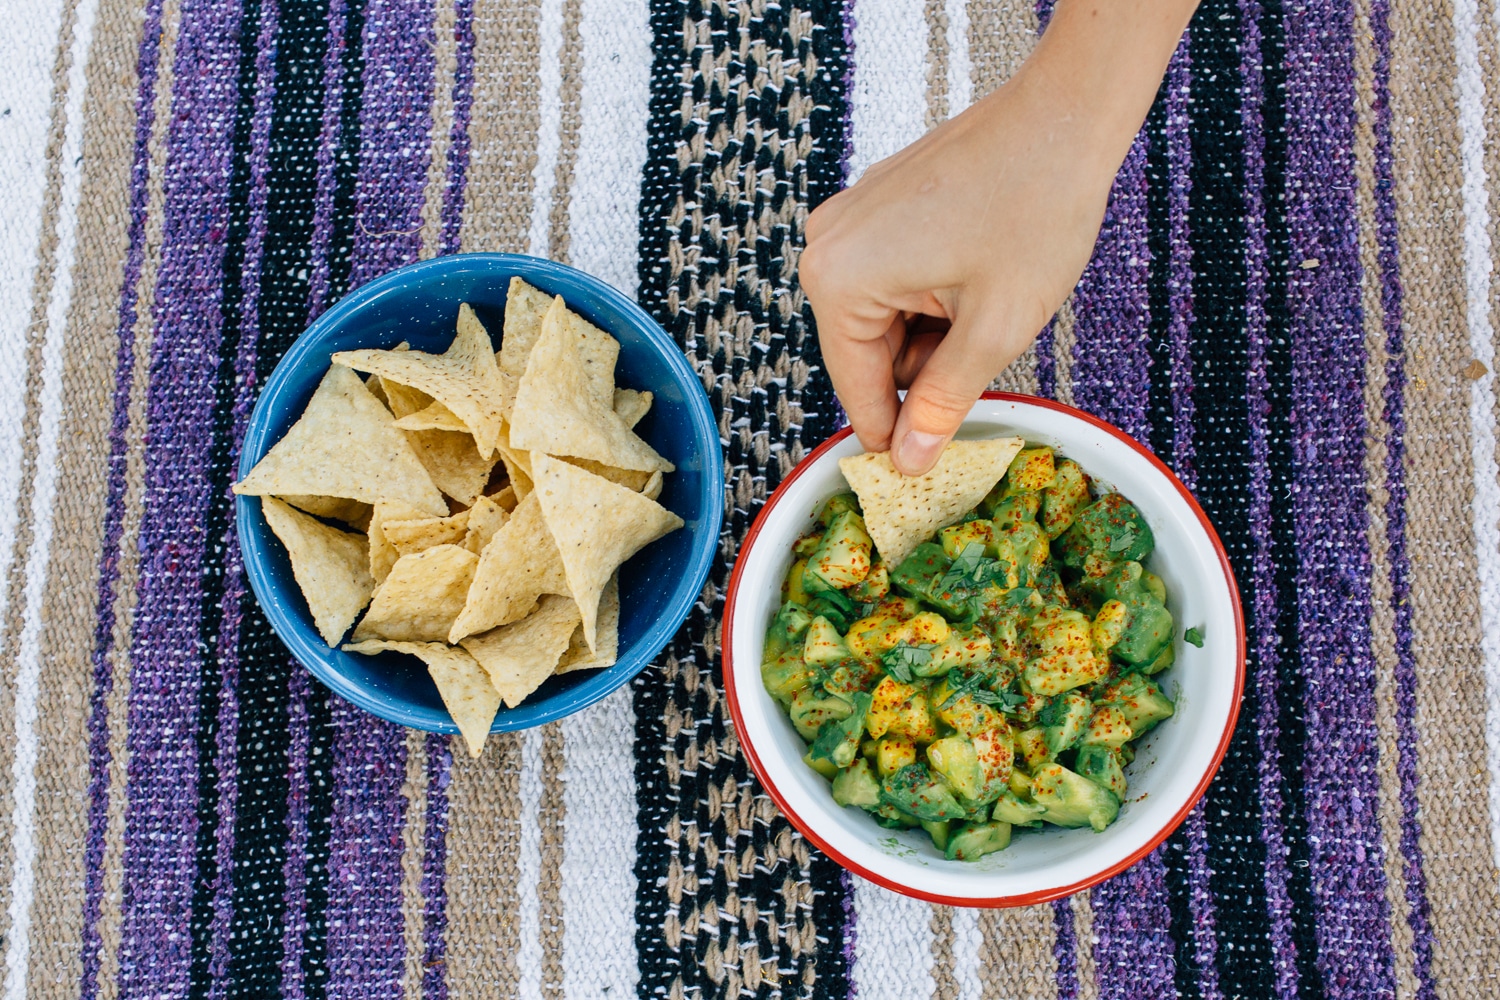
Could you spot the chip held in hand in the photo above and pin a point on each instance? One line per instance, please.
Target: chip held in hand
(513, 578)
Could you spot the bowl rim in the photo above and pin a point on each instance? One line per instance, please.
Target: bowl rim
(1019, 899)
(299, 642)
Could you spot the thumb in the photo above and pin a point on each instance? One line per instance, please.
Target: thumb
(976, 349)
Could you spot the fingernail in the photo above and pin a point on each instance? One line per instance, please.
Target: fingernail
(919, 451)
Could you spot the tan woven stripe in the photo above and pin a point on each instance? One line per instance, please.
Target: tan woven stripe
(1063, 339)
(1382, 617)
(937, 63)
(1489, 68)
(445, 65)
(110, 915)
(502, 126)
(1001, 36)
(484, 839)
(549, 883)
(31, 360)
(414, 789)
(1083, 932)
(69, 600)
(944, 985)
(1451, 758)
(1016, 958)
(570, 120)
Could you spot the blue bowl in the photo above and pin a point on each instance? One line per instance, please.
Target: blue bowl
(419, 304)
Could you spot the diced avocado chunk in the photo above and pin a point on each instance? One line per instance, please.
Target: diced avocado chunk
(976, 840)
(1107, 728)
(856, 785)
(851, 675)
(826, 768)
(1109, 624)
(1032, 745)
(892, 818)
(796, 593)
(892, 754)
(839, 503)
(938, 831)
(900, 710)
(823, 645)
(1148, 623)
(1064, 720)
(953, 758)
(812, 707)
(1028, 544)
(838, 739)
(996, 753)
(1140, 701)
(1065, 499)
(963, 712)
(1011, 808)
(957, 537)
(1008, 511)
(1071, 800)
(1033, 470)
(785, 676)
(964, 647)
(1064, 652)
(919, 574)
(1101, 765)
(1164, 659)
(1108, 531)
(874, 586)
(915, 790)
(786, 631)
(842, 558)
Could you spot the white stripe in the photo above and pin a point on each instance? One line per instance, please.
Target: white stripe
(960, 66)
(1477, 263)
(892, 944)
(549, 126)
(614, 108)
(529, 867)
(888, 107)
(598, 869)
(27, 47)
(967, 940)
(29, 658)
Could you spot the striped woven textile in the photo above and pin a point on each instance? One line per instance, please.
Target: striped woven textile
(1293, 302)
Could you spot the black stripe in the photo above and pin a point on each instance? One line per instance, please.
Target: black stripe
(691, 691)
(1292, 695)
(216, 523)
(1181, 928)
(262, 754)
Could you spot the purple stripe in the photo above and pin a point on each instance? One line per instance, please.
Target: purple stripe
(1111, 352)
(435, 869)
(232, 601)
(1134, 955)
(1046, 360)
(1266, 654)
(114, 506)
(294, 870)
(1330, 509)
(328, 140)
(1419, 916)
(1201, 904)
(155, 948)
(1065, 949)
(458, 142)
(366, 942)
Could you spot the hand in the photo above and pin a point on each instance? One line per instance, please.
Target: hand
(940, 266)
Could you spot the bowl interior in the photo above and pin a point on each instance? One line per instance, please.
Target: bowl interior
(1174, 761)
(419, 305)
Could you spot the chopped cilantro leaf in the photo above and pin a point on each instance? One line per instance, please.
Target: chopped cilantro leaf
(1194, 636)
(900, 660)
(1123, 540)
(957, 689)
(969, 573)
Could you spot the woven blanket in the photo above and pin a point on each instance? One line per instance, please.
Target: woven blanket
(1292, 302)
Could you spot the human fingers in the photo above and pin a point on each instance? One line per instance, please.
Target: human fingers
(863, 378)
(941, 395)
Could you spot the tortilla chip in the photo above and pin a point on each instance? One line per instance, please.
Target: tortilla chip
(525, 310)
(578, 656)
(631, 405)
(484, 519)
(433, 417)
(628, 478)
(464, 378)
(903, 511)
(411, 537)
(420, 598)
(453, 462)
(506, 498)
(333, 508)
(517, 466)
(402, 400)
(463, 684)
(556, 414)
(519, 657)
(345, 445)
(383, 554)
(520, 564)
(597, 525)
(328, 564)
(652, 489)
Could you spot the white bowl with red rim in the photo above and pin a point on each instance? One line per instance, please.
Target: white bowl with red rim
(1174, 762)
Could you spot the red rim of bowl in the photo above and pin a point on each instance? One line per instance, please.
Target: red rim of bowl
(1024, 899)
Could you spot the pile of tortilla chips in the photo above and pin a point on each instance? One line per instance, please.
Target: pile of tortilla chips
(478, 504)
